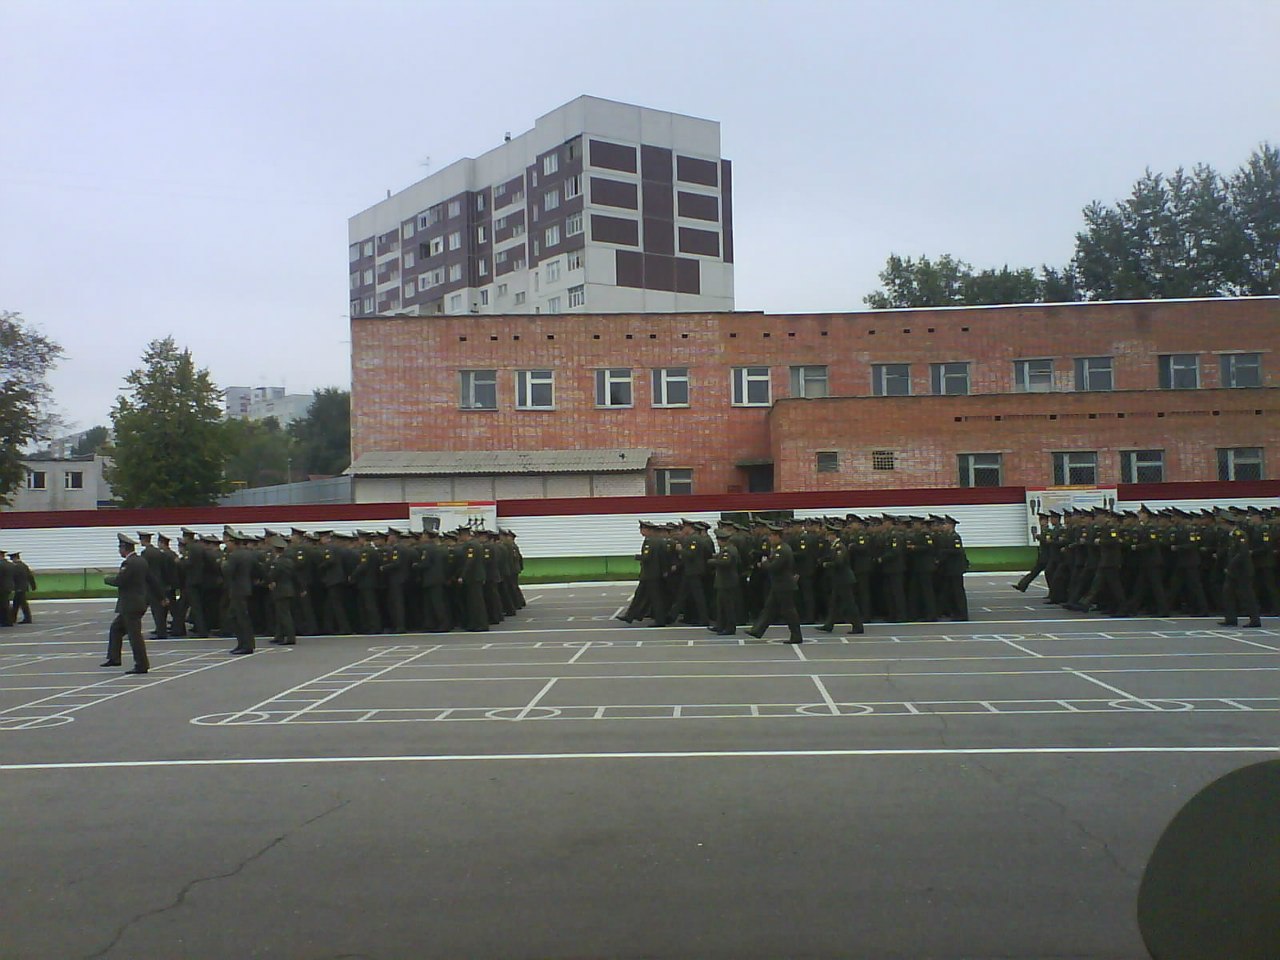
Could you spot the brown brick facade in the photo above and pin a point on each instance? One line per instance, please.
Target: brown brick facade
(405, 393)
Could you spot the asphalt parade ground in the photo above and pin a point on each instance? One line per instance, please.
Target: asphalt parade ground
(568, 786)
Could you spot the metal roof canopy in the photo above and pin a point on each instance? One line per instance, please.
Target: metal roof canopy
(455, 462)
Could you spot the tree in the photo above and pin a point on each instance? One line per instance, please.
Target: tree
(948, 282)
(1187, 235)
(323, 436)
(26, 357)
(259, 452)
(169, 440)
(93, 441)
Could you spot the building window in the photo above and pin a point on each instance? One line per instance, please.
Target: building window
(573, 187)
(553, 235)
(407, 230)
(482, 267)
(809, 381)
(550, 164)
(484, 298)
(1242, 369)
(368, 276)
(455, 272)
(535, 390)
(353, 252)
(482, 235)
(883, 460)
(355, 308)
(671, 387)
(1142, 466)
(455, 208)
(368, 304)
(455, 303)
(613, 388)
(517, 229)
(479, 389)
(573, 225)
(1076, 468)
(408, 290)
(502, 290)
(828, 461)
(425, 220)
(518, 298)
(73, 480)
(574, 260)
(1094, 373)
(455, 240)
(1240, 463)
(981, 469)
(367, 249)
(577, 296)
(672, 483)
(553, 305)
(891, 379)
(551, 200)
(949, 379)
(437, 246)
(355, 281)
(408, 259)
(479, 203)
(553, 271)
(36, 480)
(751, 387)
(1179, 371)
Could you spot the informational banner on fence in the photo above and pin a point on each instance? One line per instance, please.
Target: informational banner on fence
(1044, 499)
(449, 515)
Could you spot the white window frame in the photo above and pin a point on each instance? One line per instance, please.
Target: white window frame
(947, 378)
(455, 209)
(436, 246)
(1179, 371)
(455, 272)
(408, 259)
(1091, 370)
(366, 248)
(573, 186)
(551, 200)
(353, 252)
(455, 240)
(664, 379)
(367, 278)
(609, 378)
(573, 224)
(1234, 364)
(406, 230)
(553, 270)
(673, 481)
(553, 305)
(971, 464)
(73, 480)
(484, 298)
(577, 296)
(482, 235)
(535, 389)
(1028, 379)
(553, 235)
(455, 303)
(472, 384)
(884, 375)
(518, 298)
(573, 260)
(42, 483)
(409, 290)
(810, 381)
(550, 164)
(1134, 462)
(368, 305)
(1066, 463)
(1232, 459)
(502, 290)
(750, 380)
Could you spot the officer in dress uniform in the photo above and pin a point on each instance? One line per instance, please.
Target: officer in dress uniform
(780, 602)
(727, 565)
(131, 583)
(23, 581)
(282, 581)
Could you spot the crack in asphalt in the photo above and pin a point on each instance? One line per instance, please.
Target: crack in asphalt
(191, 885)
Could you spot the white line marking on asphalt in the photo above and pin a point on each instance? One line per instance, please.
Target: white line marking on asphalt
(826, 695)
(581, 651)
(619, 612)
(795, 648)
(1252, 643)
(534, 702)
(671, 755)
(1106, 686)
(1018, 646)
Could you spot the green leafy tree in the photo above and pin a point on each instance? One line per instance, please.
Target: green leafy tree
(948, 282)
(259, 452)
(169, 439)
(26, 357)
(323, 436)
(93, 441)
(1195, 234)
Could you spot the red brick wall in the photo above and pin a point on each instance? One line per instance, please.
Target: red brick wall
(405, 384)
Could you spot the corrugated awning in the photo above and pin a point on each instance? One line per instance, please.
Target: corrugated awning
(454, 462)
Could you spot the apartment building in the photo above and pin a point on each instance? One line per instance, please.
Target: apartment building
(601, 207)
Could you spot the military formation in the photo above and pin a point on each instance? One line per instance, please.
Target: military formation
(313, 583)
(1220, 562)
(16, 581)
(823, 571)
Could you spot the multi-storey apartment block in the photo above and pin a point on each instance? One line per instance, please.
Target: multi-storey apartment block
(708, 403)
(601, 207)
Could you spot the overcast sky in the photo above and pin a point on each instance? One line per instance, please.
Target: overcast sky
(188, 168)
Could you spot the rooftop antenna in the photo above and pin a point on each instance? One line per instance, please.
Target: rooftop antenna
(506, 137)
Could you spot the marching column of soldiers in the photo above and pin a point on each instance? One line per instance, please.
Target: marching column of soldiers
(314, 583)
(830, 571)
(1220, 562)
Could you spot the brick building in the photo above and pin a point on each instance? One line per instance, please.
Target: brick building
(1043, 394)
